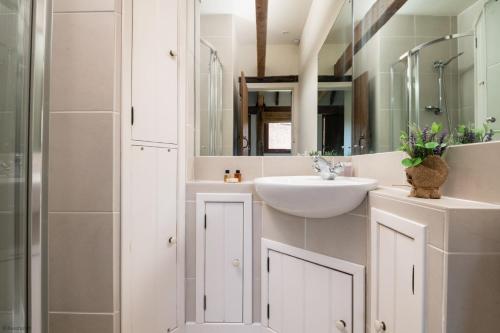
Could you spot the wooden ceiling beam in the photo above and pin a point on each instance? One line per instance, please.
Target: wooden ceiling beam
(261, 15)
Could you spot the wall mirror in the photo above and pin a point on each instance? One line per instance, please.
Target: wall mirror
(424, 61)
(376, 67)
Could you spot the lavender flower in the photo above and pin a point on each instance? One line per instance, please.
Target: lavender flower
(425, 133)
(442, 137)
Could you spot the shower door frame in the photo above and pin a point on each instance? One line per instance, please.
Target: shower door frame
(37, 203)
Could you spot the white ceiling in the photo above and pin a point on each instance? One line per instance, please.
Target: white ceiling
(283, 15)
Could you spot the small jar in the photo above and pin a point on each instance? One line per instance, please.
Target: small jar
(237, 175)
(227, 175)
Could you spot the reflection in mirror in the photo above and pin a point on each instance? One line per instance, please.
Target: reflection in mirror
(433, 61)
(248, 69)
(335, 88)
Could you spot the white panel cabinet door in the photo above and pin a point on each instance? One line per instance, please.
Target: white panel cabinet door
(398, 270)
(154, 71)
(153, 249)
(305, 297)
(224, 262)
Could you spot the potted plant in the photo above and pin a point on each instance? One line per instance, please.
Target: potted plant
(426, 171)
(469, 134)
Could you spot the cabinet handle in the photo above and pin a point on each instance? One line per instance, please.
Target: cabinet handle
(380, 326)
(172, 241)
(341, 325)
(172, 53)
(236, 262)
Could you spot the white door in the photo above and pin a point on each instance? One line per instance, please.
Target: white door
(153, 247)
(224, 262)
(305, 297)
(398, 254)
(154, 71)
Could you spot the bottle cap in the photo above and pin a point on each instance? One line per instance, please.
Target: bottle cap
(237, 171)
(227, 171)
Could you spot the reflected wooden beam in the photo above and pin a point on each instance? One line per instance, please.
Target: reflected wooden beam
(344, 63)
(261, 15)
(375, 18)
(378, 15)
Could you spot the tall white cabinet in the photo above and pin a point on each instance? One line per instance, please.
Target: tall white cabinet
(152, 260)
(154, 71)
(153, 245)
(398, 273)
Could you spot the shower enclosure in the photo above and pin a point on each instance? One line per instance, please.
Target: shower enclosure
(24, 45)
(429, 88)
(215, 107)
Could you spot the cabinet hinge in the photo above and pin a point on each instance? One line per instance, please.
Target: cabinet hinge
(475, 41)
(205, 221)
(268, 311)
(413, 280)
(268, 264)
(205, 302)
(132, 115)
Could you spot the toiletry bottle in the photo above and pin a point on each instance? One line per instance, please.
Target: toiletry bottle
(237, 175)
(227, 175)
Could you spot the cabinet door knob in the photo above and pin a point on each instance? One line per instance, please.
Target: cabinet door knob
(380, 326)
(341, 325)
(172, 241)
(172, 53)
(236, 262)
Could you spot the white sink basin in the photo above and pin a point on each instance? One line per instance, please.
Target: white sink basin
(313, 197)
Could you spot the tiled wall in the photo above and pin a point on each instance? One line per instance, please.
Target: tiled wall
(84, 175)
(343, 237)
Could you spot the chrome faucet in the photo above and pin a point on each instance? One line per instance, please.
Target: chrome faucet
(326, 169)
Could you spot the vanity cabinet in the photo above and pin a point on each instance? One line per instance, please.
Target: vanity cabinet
(224, 258)
(435, 264)
(306, 297)
(398, 272)
(154, 71)
(152, 251)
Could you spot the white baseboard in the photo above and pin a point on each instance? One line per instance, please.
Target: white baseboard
(225, 328)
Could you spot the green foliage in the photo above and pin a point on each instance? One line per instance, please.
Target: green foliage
(470, 134)
(421, 143)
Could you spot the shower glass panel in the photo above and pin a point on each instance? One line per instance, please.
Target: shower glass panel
(15, 50)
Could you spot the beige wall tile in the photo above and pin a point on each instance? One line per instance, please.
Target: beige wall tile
(81, 162)
(433, 218)
(282, 227)
(86, 5)
(473, 293)
(190, 300)
(81, 323)
(432, 26)
(385, 167)
(256, 300)
(474, 230)
(81, 262)
(257, 236)
(287, 166)
(212, 168)
(342, 237)
(474, 172)
(83, 62)
(116, 262)
(190, 239)
(116, 162)
(219, 187)
(434, 290)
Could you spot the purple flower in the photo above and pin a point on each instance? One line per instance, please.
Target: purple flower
(425, 133)
(442, 137)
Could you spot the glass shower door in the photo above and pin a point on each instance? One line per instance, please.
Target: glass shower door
(15, 64)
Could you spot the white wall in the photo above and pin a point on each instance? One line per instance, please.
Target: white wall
(328, 56)
(281, 59)
(321, 17)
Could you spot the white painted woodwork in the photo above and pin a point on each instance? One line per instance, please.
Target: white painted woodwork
(153, 263)
(398, 271)
(306, 297)
(224, 258)
(224, 262)
(155, 70)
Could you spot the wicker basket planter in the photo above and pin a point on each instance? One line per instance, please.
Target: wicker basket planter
(427, 178)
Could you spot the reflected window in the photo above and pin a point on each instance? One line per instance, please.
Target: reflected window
(278, 137)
